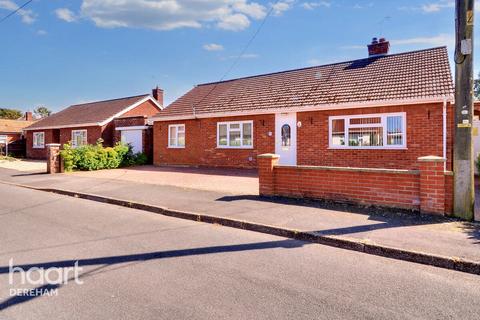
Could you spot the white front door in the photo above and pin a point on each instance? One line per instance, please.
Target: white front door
(286, 138)
(134, 138)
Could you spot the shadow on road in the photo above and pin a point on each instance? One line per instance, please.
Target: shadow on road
(140, 257)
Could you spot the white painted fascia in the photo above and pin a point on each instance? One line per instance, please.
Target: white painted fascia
(131, 128)
(324, 107)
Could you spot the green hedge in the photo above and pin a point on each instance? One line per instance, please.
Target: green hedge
(97, 157)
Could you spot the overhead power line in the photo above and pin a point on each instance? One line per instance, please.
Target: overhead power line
(15, 11)
(245, 48)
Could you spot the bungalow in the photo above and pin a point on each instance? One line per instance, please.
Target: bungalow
(11, 134)
(375, 131)
(111, 120)
(383, 111)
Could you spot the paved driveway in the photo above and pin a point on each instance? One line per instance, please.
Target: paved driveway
(230, 181)
(24, 165)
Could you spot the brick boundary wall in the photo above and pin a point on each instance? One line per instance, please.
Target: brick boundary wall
(427, 189)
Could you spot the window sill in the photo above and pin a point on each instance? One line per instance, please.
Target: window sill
(172, 147)
(227, 147)
(38, 147)
(366, 148)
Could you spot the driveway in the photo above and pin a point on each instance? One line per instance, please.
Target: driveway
(229, 181)
(24, 165)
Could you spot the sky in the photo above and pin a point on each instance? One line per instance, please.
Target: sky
(56, 53)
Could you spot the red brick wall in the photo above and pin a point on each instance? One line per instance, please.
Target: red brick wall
(424, 137)
(35, 153)
(201, 143)
(93, 133)
(428, 189)
(148, 108)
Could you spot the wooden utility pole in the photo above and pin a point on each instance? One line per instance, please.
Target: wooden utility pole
(464, 193)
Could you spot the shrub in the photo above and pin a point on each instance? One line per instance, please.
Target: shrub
(96, 157)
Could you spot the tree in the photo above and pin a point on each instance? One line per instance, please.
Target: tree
(10, 113)
(476, 87)
(42, 112)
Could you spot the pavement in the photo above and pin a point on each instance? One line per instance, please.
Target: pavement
(398, 230)
(140, 265)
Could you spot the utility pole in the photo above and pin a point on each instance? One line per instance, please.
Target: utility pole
(464, 193)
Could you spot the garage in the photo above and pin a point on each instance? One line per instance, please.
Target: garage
(133, 136)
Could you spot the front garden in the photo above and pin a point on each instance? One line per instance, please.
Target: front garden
(98, 157)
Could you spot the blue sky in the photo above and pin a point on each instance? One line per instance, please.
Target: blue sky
(57, 53)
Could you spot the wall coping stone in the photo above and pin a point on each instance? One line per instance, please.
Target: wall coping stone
(431, 159)
(352, 169)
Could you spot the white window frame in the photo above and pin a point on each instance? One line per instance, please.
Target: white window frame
(74, 141)
(229, 123)
(35, 140)
(176, 145)
(383, 124)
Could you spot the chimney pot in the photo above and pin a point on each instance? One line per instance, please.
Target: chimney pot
(378, 48)
(157, 94)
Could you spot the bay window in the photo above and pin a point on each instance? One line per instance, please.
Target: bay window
(373, 131)
(238, 134)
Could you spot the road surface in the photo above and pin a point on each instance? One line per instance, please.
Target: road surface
(139, 265)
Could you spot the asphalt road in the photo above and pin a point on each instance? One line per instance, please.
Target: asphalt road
(138, 265)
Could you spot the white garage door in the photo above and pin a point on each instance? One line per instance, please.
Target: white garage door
(134, 138)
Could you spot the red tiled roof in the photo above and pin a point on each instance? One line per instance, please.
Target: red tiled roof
(419, 74)
(87, 113)
(14, 126)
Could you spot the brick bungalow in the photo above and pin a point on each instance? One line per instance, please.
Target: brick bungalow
(351, 131)
(12, 135)
(111, 120)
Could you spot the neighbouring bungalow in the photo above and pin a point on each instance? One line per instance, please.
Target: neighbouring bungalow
(123, 119)
(377, 130)
(12, 135)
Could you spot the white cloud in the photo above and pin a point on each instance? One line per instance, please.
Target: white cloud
(437, 6)
(42, 32)
(280, 7)
(438, 40)
(65, 15)
(172, 14)
(27, 16)
(213, 47)
(313, 5)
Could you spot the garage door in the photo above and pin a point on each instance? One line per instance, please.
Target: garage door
(134, 138)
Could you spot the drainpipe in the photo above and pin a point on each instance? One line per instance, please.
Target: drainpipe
(445, 133)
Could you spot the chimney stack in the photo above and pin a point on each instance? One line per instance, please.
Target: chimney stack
(28, 116)
(157, 94)
(378, 47)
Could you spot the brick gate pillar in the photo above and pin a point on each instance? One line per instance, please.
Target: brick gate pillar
(53, 158)
(266, 179)
(432, 184)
